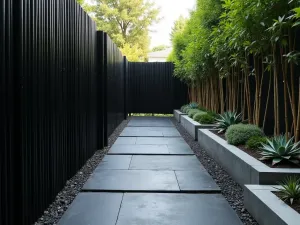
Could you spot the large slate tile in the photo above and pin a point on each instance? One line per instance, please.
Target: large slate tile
(150, 122)
(139, 149)
(180, 149)
(132, 180)
(125, 141)
(150, 132)
(196, 181)
(159, 140)
(165, 162)
(114, 162)
(176, 209)
(93, 209)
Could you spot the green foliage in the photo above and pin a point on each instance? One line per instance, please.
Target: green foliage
(221, 34)
(227, 119)
(159, 48)
(256, 142)
(198, 115)
(192, 112)
(206, 119)
(239, 134)
(127, 22)
(184, 108)
(290, 189)
(278, 149)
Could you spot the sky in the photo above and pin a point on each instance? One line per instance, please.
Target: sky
(170, 11)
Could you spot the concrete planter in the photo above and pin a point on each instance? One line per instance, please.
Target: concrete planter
(267, 208)
(192, 126)
(242, 167)
(177, 114)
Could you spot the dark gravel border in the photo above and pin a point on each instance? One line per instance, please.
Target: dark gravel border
(73, 186)
(230, 189)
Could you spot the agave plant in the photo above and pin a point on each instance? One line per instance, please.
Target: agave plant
(278, 149)
(290, 189)
(227, 119)
(193, 105)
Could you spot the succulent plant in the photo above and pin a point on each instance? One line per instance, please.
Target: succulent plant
(227, 119)
(290, 189)
(193, 105)
(278, 149)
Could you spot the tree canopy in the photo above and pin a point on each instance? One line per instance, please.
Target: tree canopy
(127, 23)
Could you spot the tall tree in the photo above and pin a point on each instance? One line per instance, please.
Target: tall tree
(178, 27)
(127, 23)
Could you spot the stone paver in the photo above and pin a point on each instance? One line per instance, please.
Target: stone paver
(150, 132)
(142, 162)
(150, 122)
(93, 209)
(179, 149)
(176, 209)
(150, 177)
(132, 180)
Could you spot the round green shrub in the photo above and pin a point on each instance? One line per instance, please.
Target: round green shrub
(184, 107)
(187, 109)
(239, 134)
(213, 114)
(206, 119)
(255, 142)
(198, 115)
(192, 112)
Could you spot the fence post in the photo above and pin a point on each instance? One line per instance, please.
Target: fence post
(125, 71)
(105, 96)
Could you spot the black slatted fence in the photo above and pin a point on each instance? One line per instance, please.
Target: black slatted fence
(64, 89)
(152, 88)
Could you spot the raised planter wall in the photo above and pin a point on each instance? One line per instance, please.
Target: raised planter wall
(242, 167)
(267, 208)
(192, 126)
(177, 114)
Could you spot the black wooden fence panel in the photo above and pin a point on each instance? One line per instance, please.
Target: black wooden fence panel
(115, 85)
(64, 89)
(53, 101)
(7, 112)
(152, 88)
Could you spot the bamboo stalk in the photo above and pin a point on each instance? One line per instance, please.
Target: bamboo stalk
(267, 103)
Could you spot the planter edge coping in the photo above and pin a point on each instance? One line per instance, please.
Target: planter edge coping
(248, 159)
(275, 204)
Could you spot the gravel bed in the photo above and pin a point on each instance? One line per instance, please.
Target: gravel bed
(231, 190)
(73, 186)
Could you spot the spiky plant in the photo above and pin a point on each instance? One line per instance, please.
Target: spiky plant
(193, 105)
(278, 149)
(227, 119)
(290, 189)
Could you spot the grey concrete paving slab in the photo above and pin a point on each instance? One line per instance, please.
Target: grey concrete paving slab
(182, 148)
(139, 149)
(150, 132)
(93, 209)
(159, 140)
(165, 162)
(132, 180)
(176, 209)
(196, 181)
(114, 162)
(125, 141)
(150, 122)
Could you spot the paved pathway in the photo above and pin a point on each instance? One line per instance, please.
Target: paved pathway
(150, 177)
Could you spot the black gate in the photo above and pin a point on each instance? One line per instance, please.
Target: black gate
(152, 88)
